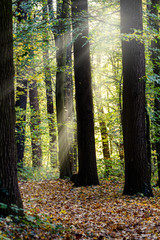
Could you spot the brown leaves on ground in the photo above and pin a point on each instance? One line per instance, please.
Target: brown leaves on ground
(96, 212)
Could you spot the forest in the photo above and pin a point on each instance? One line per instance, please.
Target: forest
(79, 119)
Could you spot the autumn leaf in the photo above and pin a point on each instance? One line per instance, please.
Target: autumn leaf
(56, 210)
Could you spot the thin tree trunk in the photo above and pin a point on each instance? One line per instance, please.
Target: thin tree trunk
(103, 128)
(35, 125)
(65, 165)
(137, 175)
(9, 191)
(148, 141)
(84, 99)
(49, 93)
(21, 104)
(155, 48)
(21, 93)
(68, 89)
(105, 142)
(115, 66)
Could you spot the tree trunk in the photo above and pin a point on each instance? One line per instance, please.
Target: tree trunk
(137, 176)
(105, 142)
(21, 104)
(21, 93)
(84, 99)
(9, 192)
(49, 93)
(148, 141)
(35, 124)
(63, 153)
(65, 165)
(103, 128)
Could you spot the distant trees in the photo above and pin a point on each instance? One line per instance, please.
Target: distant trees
(46, 23)
(103, 127)
(9, 192)
(35, 122)
(24, 58)
(137, 176)
(49, 89)
(21, 96)
(68, 87)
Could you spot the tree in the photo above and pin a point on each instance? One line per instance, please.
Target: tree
(9, 191)
(65, 164)
(61, 52)
(35, 124)
(105, 141)
(84, 101)
(68, 88)
(35, 119)
(49, 90)
(21, 91)
(102, 123)
(137, 176)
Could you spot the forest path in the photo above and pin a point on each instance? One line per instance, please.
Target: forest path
(59, 211)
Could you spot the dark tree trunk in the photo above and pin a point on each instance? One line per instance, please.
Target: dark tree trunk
(21, 93)
(49, 93)
(9, 192)
(35, 125)
(137, 176)
(155, 48)
(84, 99)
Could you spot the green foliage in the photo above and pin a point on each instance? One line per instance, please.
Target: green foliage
(29, 225)
(114, 173)
(2, 205)
(37, 174)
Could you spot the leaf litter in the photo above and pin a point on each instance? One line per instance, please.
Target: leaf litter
(57, 210)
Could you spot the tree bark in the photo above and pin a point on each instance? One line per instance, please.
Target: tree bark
(84, 99)
(137, 176)
(9, 191)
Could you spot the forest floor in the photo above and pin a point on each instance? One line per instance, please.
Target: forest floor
(56, 210)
